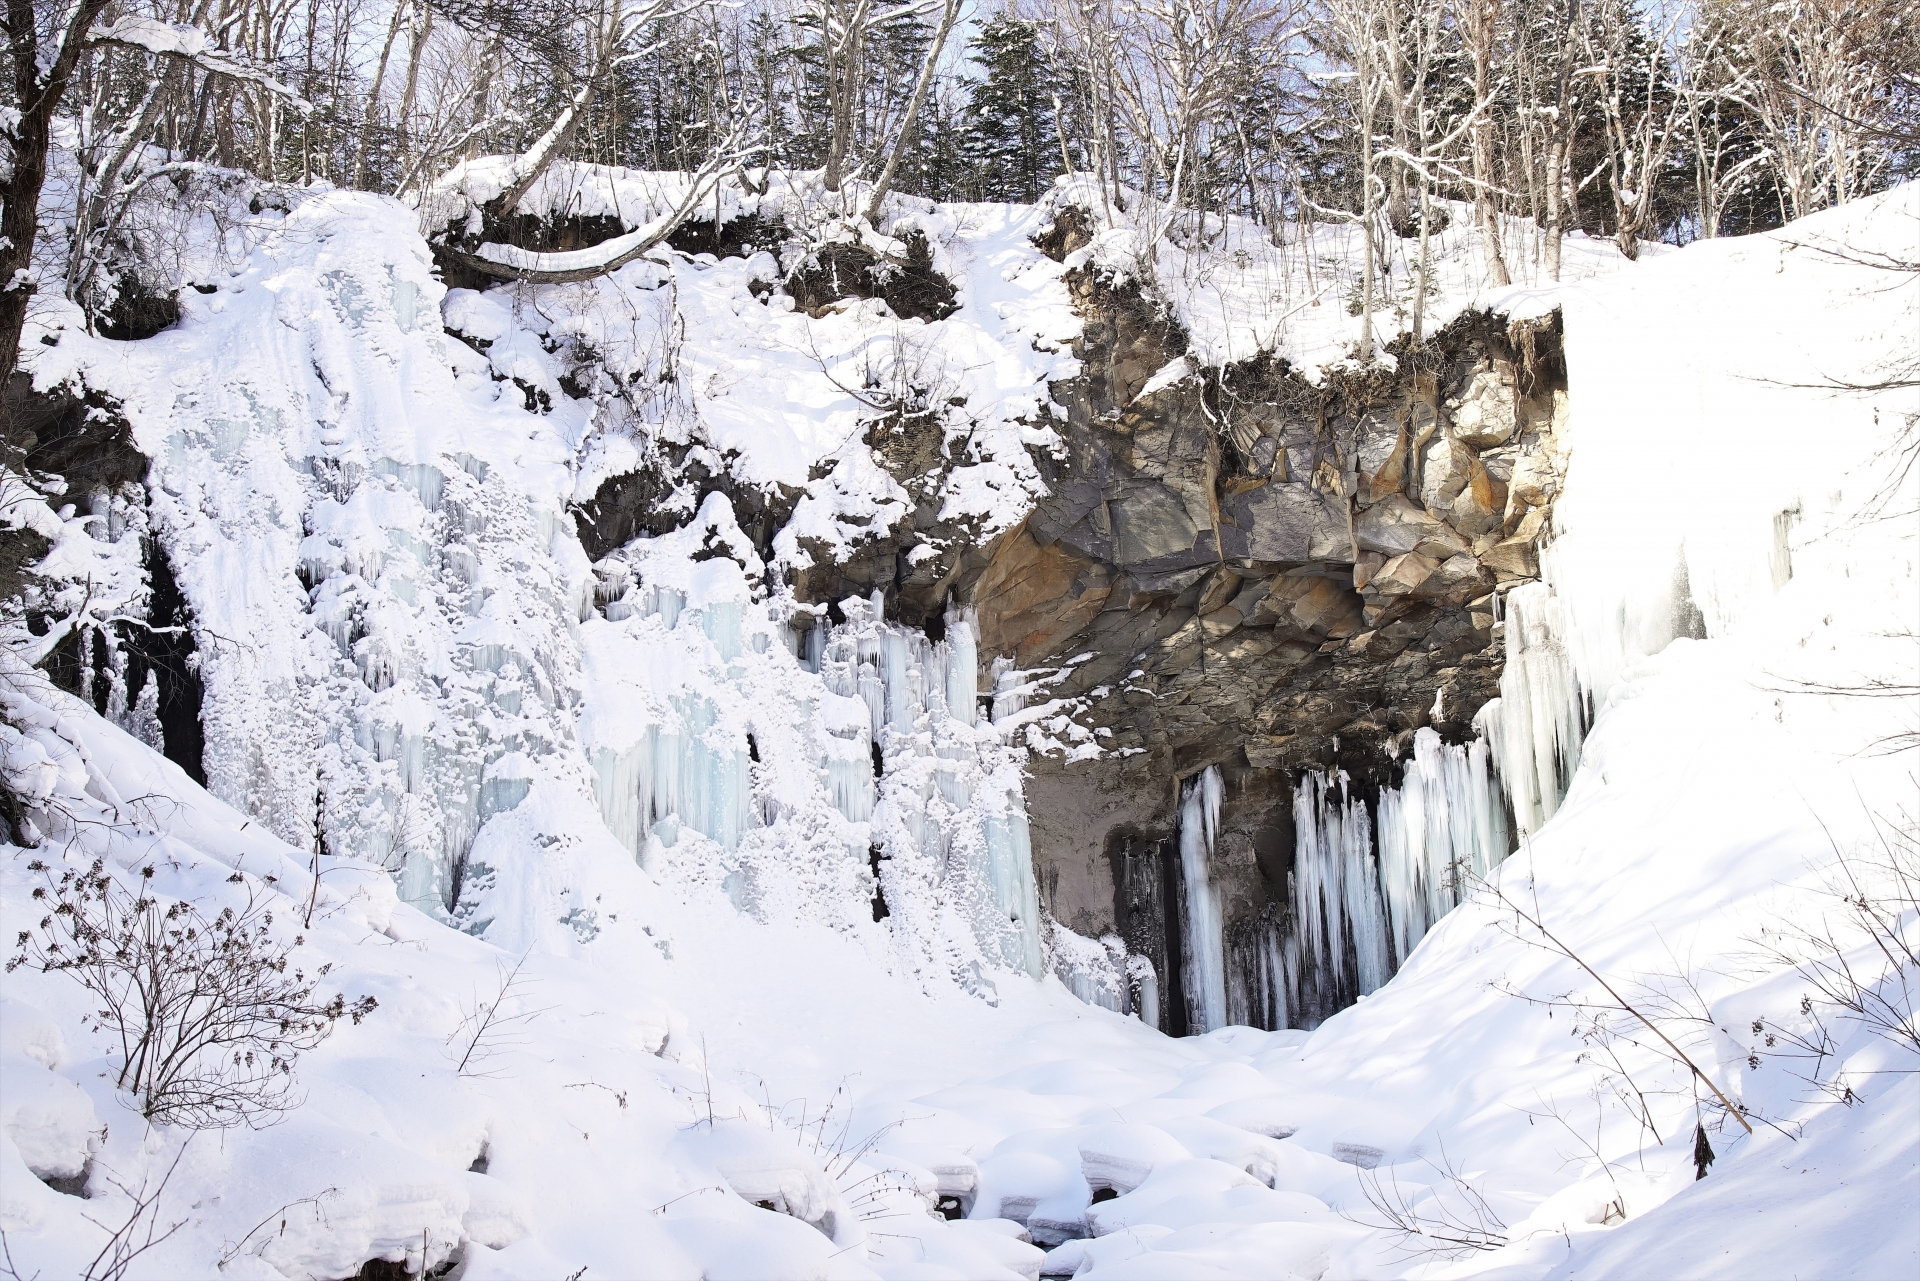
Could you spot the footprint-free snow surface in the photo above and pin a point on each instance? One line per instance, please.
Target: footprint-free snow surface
(709, 1060)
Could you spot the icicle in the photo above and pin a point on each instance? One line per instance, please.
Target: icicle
(1146, 988)
(1207, 975)
(963, 666)
(900, 702)
(1536, 727)
(1010, 873)
(1009, 694)
(1369, 892)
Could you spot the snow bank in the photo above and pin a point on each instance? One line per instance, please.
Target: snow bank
(1241, 290)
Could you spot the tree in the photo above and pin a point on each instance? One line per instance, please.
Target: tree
(949, 14)
(1012, 123)
(1638, 111)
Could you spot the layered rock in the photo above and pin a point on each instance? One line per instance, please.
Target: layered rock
(1255, 569)
(1246, 568)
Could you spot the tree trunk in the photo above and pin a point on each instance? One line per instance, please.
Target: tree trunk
(38, 98)
(373, 95)
(422, 28)
(1556, 163)
(1481, 35)
(904, 138)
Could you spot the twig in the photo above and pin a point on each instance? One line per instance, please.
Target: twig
(1620, 1001)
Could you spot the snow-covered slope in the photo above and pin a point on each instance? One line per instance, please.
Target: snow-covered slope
(722, 1067)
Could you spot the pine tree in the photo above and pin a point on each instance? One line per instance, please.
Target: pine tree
(1011, 137)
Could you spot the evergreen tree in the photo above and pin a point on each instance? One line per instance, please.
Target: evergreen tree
(1011, 138)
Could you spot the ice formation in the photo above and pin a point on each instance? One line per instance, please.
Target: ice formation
(1370, 878)
(1202, 947)
(757, 746)
(1440, 832)
(365, 480)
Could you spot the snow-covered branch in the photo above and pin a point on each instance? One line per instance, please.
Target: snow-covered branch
(192, 45)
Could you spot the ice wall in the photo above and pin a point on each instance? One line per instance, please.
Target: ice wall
(1699, 489)
(751, 745)
(368, 535)
(409, 658)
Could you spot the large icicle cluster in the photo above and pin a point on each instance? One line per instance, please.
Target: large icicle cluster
(408, 656)
(1369, 880)
(753, 745)
(1203, 950)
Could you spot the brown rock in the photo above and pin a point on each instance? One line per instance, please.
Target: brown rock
(1220, 621)
(1456, 579)
(1220, 589)
(1312, 604)
(1252, 593)
(1395, 526)
(1284, 521)
(1483, 414)
(1514, 558)
(1381, 451)
(1403, 575)
(1480, 505)
(1445, 466)
(1039, 596)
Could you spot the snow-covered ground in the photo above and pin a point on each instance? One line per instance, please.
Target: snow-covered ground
(698, 1079)
(1238, 294)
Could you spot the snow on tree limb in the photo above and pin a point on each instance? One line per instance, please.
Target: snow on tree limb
(510, 262)
(189, 44)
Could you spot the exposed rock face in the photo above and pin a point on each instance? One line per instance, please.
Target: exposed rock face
(1241, 569)
(1268, 576)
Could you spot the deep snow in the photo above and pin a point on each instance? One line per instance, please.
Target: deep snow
(691, 1048)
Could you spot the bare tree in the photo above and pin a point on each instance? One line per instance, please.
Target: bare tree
(494, 1025)
(1817, 78)
(1449, 1219)
(1479, 23)
(1638, 111)
(949, 14)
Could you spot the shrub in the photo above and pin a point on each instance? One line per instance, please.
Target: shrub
(209, 1017)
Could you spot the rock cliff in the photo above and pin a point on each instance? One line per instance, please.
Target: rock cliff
(1253, 568)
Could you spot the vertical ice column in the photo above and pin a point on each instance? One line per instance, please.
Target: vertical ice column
(1145, 985)
(849, 758)
(963, 666)
(961, 677)
(1536, 727)
(1009, 691)
(1206, 979)
(1317, 876)
(1010, 870)
(618, 783)
(1337, 901)
(900, 703)
(1441, 831)
(684, 769)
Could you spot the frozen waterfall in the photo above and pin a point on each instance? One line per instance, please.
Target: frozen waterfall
(1370, 876)
(834, 769)
(1203, 947)
(1441, 831)
(1369, 884)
